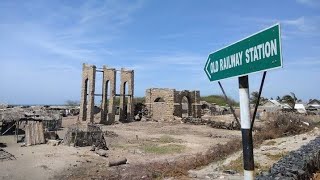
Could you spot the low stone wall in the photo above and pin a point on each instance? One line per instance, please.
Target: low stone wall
(214, 124)
(85, 135)
(297, 165)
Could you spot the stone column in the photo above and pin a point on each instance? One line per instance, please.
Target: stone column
(92, 80)
(108, 109)
(83, 101)
(127, 77)
(88, 81)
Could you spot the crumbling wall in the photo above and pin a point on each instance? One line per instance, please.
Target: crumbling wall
(170, 105)
(160, 103)
(108, 109)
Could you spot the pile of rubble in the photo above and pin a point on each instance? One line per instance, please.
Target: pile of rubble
(299, 164)
(214, 124)
(82, 135)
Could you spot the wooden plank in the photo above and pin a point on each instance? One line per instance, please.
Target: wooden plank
(28, 137)
(33, 142)
(42, 139)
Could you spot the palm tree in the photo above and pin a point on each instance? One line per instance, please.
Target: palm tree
(290, 99)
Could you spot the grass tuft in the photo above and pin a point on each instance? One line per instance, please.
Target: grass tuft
(163, 149)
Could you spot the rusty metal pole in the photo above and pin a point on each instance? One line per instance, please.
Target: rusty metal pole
(247, 142)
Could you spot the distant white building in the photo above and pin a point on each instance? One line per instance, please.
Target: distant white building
(314, 103)
(300, 108)
(274, 105)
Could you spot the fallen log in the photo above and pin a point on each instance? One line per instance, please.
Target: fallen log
(118, 162)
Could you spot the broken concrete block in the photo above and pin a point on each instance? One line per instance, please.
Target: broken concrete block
(118, 162)
(102, 152)
(53, 142)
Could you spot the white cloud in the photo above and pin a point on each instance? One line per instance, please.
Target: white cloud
(300, 26)
(82, 32)
(310, 3)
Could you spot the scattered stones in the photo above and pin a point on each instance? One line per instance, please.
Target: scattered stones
(53, 142)
(213, 124)
(102, 152)
(111, 134)
(230, 172)
(297, 165)
(93, 148)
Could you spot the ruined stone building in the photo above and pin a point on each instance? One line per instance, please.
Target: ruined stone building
(163, 103)
(108, 108)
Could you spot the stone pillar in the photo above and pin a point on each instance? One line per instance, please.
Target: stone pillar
(108, 110)
(196, 107)
(88, 77)
(126, 108)
(148, 101)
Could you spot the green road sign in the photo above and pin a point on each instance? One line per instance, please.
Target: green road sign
(258, 52)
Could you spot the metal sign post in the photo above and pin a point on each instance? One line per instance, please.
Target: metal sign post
(248, 162)
(257, 53)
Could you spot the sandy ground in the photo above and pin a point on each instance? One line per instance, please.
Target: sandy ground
(129, 140)
(124, 140)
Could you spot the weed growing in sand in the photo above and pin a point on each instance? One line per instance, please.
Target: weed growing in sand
(167, 139)
(163, 149)
(276, 157)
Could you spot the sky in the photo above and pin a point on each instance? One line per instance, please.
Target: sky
(167, 42)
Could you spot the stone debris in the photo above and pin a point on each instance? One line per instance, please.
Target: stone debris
(54, 142)
(297, 165)
(101, 152)
(214, 124)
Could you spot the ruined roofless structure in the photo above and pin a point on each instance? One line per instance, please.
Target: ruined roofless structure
(108, 108)
(163, 103)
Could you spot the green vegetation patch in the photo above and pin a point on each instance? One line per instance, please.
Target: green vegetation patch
(167, 139)
(219, 100)
(163, 149)
(237, 165)
(270, 143)
(276, 157)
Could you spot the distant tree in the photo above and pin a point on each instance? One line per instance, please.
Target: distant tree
(290, 99)
(278, 98)
(72, 103)
(254, 98)
(219, 100)
(271, 98)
